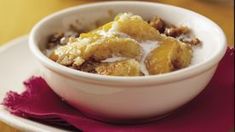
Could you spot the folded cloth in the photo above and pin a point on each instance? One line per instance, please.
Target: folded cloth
(212, 110)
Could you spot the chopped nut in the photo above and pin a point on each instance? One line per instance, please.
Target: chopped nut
(51, 45)
(193, 41)
(64, 40)
(88, 66)
(55, 38)
(176, 31)
(158, 24)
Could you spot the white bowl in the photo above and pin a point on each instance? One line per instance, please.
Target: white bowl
(129, 98)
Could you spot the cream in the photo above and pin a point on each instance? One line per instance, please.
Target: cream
(114, 59)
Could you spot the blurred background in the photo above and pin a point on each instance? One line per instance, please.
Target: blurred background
(19, 16)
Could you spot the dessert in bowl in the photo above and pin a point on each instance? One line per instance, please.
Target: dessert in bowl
(127, 46)
(143, 91)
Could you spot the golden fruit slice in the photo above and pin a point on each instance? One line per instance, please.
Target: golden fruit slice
(184, 56)
(109, 47)
(170, 56)
(129, 67)
(135, 27)
(91, 36)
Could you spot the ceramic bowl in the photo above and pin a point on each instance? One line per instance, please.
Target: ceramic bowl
(124, 99)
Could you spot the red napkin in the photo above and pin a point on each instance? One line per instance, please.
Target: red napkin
(211, 111)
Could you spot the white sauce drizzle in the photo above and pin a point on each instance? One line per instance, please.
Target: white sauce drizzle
(114, 59)
(112, 32)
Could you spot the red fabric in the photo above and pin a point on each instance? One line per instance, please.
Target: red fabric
(211, 111)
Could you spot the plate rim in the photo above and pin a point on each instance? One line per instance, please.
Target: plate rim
(15, 121)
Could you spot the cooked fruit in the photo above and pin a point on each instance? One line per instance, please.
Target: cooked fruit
(109, 47)
(135, 27)
(184, 56)
(158, 24)
(129, 67)
(171, 55)
(119, 48)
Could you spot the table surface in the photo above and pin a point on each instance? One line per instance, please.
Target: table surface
(20, 15)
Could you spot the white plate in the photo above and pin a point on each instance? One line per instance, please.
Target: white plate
(17, 65)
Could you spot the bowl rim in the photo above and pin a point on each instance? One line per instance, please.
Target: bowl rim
(162, 78)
